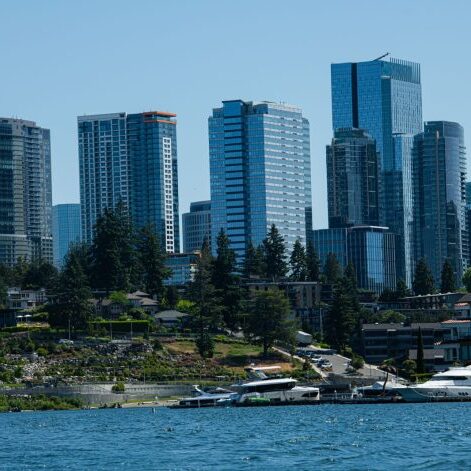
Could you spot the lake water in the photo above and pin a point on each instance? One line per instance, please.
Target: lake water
(348, 437)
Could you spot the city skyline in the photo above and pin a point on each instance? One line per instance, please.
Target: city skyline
(299, 78)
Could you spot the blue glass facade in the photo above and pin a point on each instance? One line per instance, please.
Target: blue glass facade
(152, 153)
(439, 165)
(182, 268)
(65, 230)
(370, 249)
(352, 179)
(130, 159)
(385, 99)
(196, 226)
(260, 172)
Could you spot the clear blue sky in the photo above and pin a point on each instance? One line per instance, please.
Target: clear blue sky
(60, 59)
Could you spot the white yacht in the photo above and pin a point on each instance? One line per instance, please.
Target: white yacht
(203, 398)
(277, 390)
(453, 384)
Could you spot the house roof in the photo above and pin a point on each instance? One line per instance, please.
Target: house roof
(171, 314)
(141, 294)
(466, 299)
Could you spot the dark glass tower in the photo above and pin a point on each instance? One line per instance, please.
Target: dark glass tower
(130, 159)
(196, 226)
(384, 98)
(260, 172)
(352, 179)
(25, 191)
(439, 165)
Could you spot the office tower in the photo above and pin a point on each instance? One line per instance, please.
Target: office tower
(467, 243)
(65, 230)
(439, 166)
(26, 201)
(370, 249)
(196, 226)
(260, 172)
(384, 98)
(130, 159)
(352, 179)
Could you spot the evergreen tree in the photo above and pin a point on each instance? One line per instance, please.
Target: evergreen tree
(467, 280)
(226, 282)
(423, 279)
(203, 294)
(332, 269)
(274, 254)
(268, 319)
(341, 320)
(298, 262)
(40, 274)
(152, 267)
(248, 266)
(313, 263)
(72, 299)
(420, 353)
(114, 259)
(448, 278)
(402, 291)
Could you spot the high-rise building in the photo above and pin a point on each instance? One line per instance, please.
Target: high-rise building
(65, 230)
(385, 99)
(260, 172)
(352, 179)
(467, 243)
(196, 226)
(25, 183)
(130, 159)
(370, 249)
(439, 166)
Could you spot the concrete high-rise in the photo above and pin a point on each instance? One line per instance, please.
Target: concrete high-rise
(65, 230)
(25, 184)
(196, 226)
(130, 159)
(439, 166)
(352, 179)
(259, 156)
(385, 99)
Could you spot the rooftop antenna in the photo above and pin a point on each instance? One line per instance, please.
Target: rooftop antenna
(381, 57)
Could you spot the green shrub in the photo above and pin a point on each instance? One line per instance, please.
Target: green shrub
(42, 352)
(118, 387)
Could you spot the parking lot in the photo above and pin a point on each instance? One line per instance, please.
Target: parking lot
(339, 364)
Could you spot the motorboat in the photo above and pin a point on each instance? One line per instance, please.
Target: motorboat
(202, 398)
(380, 389)
(265, 390)
(451, 385)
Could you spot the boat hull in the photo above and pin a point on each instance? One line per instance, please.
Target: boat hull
(425, 394)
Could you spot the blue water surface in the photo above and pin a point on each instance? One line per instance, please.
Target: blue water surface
(344, 437)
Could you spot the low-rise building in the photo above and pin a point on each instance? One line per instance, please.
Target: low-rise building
(20, 299)
(110, 309)
(171, 318)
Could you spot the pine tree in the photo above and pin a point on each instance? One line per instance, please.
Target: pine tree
(226, 282)
(274, 254)
(203, 294)
(423, 279)
(152, 267)
(72, 299)
(268, 319)
(114, 257)
(248, 267)
(332, 269)
(467, 280)
(402, 291)
(313, 263)
(420, 353)
(341, 320)
(298, 262)
(448, 278)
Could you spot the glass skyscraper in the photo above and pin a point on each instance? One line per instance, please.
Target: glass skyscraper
(370, 249)
(439, 166)
(260, 169)
(130, 159)
(65, 230)
(25, 191)
(352, 179)
(196, 226)
(384, 98)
